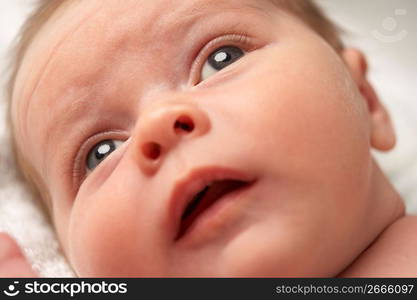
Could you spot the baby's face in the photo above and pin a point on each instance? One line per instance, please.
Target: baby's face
(130, 113)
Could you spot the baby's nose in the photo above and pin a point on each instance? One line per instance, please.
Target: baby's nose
(162, 127)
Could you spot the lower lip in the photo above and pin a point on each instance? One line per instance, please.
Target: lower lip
(212, 219)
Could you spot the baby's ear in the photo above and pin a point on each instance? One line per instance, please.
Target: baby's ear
(382, 131)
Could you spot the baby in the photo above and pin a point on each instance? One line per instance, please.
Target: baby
(221, 138)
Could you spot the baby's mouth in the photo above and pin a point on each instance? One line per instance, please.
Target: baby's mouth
(204, 199)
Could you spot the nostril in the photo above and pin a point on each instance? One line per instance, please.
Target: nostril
(184, 125)
(151, 150)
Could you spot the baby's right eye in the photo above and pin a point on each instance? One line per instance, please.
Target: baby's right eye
(100, 151)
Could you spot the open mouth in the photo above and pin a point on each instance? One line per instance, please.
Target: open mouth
(205, 198)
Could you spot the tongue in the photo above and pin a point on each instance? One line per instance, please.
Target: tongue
(215, 192)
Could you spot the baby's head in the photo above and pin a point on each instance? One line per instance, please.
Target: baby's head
(201, 138)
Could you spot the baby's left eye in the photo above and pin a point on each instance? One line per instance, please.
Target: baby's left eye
(220, 59)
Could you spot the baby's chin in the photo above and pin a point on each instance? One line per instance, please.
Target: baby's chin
(245, 257)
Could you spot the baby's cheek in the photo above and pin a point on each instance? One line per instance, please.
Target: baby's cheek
(105, 239)
(92, 241)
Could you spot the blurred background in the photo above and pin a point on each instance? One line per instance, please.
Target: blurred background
(385, 30)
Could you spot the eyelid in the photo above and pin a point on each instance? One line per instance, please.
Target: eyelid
(79, 173)
(239, 40)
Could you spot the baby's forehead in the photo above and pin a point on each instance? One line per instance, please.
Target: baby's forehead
(87, 33)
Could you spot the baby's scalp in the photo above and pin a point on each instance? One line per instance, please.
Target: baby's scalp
(306, 10)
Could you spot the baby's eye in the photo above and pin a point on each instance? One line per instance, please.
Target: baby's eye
(220, 59)
(100, 152)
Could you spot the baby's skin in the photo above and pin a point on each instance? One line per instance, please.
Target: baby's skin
(130, 113)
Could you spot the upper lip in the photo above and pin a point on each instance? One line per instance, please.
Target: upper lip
(188, 186)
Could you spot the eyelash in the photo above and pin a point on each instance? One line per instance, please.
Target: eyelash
(79, 173)
(238, 40)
